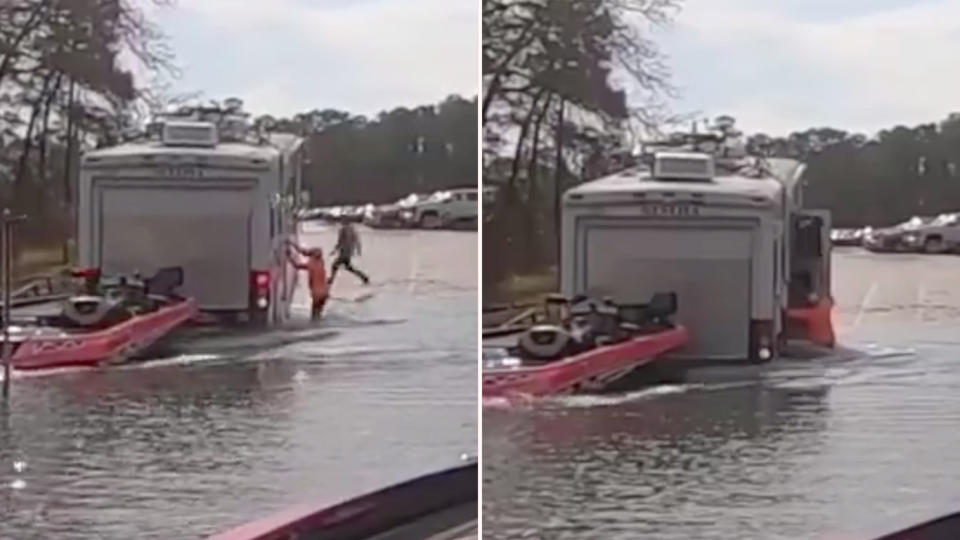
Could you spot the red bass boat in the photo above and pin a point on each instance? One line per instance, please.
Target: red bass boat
(113, 321)
(572, 349)
(438, 506)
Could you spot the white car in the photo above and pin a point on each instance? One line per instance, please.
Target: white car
(445, 208)
(938, 236)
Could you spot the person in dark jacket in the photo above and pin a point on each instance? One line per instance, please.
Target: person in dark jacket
(348, 245)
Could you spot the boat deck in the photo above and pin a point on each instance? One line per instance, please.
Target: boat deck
(24, 322)
(45, 309)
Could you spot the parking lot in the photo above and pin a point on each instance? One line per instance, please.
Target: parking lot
(874, 291)
(452, 209)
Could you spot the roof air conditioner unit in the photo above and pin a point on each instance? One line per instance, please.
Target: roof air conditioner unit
(181, 133)
(683, 166)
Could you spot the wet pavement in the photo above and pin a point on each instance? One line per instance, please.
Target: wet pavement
(229, 427)
(861, 442)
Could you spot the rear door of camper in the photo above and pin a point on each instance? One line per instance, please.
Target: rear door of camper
(810, 257)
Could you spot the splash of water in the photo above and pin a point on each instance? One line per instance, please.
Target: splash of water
(611, 400)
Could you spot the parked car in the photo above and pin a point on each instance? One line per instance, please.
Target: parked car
(445, 209)
(902, 237)
(354, 214)
(335, 213)
(320, 213)
(847, 237)
(941, 235)
(393, 215)
(385, 216)
(311, 214)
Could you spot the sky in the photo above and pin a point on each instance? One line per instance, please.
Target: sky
(777, 66)
(287, 56)
(785, 65)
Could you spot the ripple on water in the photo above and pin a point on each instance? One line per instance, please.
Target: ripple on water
(234, 427)
(793, 450)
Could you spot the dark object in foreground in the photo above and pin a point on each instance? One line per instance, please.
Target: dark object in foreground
(437, 506)
(942, 528)
(575, 345)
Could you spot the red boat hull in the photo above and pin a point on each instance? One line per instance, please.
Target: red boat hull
(565, 375)
(113, 344)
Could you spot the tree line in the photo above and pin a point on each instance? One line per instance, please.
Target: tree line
(63, 87)
(551, 112)
(553, 115)
(354, 159)
(876, 180)
(81, 74)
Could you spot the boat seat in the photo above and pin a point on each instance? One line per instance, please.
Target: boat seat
(658, 311)
(165, 281)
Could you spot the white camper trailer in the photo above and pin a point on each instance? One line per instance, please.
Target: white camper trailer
(205, 195)
(722, 230)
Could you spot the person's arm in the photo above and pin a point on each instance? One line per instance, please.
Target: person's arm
(296, 248)
(295, 263)
(356, 241)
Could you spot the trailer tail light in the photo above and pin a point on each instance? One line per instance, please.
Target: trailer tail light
(261, 288)
(90, 277)
(762, 341)
(86, 273)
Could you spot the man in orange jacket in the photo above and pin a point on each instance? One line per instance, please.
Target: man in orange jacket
(317, 274)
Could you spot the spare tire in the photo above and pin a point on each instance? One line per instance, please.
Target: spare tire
(545, 342)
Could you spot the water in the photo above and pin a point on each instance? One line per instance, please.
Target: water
(228, 428)
(849, 446)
